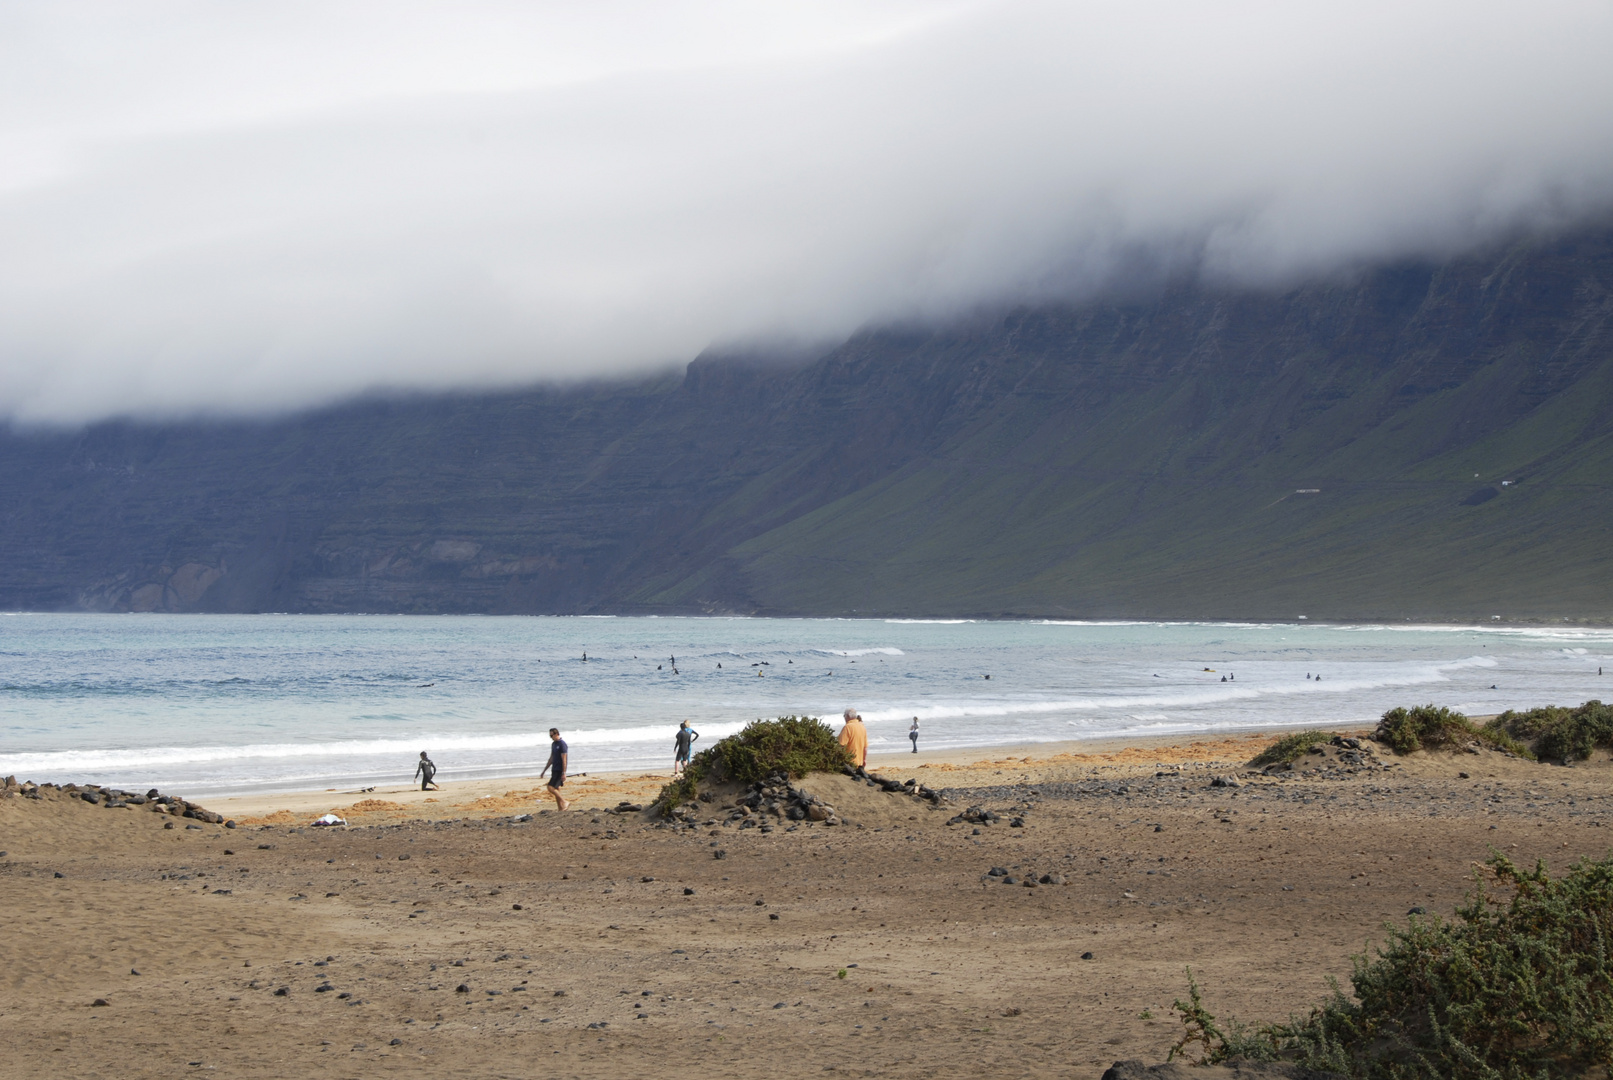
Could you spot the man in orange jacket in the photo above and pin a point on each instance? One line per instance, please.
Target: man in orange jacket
(854, 737)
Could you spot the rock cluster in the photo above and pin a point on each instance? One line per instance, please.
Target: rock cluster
(115, 799)
(775, 800)
(894, 787)
(1341, 755)
(975, 815)
(1030, 880)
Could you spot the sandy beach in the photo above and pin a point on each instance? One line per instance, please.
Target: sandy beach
(438, 934)
(602, 789)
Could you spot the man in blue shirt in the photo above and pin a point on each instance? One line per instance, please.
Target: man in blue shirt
(556, 768)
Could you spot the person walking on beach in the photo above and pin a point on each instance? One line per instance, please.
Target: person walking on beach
(854, 737)
(913, 734)
(682, 744)
(559, 757)
(425, 771)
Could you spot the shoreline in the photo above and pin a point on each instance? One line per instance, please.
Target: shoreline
(599, 789)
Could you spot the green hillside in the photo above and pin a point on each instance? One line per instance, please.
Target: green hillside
(1420, 441)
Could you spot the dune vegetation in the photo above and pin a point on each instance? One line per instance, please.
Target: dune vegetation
(1555, 733)
(1511, 988)
(1429, 727)
(792, 745)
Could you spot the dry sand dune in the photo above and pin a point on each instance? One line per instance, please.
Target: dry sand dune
(455, 942)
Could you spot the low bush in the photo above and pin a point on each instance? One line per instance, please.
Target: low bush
(793, 745)
(1289, 747)
(1514, 990)
(1427, 727)
(1555, 733)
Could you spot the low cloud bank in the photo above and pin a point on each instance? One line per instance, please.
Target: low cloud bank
(234, 209)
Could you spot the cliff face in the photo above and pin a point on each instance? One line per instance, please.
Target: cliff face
(1425, 441)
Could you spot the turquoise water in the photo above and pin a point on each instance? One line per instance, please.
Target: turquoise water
(207, 704)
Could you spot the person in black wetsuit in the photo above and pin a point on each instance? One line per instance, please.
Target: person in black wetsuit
(559, 759)
(425, 771)
(682, 746)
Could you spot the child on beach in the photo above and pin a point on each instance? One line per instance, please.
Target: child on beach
(913, 734)
(425, 771)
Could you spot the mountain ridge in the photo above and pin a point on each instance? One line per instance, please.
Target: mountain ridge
(1197, 453)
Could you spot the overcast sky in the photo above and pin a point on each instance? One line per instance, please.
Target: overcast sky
(235, 206)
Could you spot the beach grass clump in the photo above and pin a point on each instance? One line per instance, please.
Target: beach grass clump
(1429, 727)
(793, 745)
(1556, 733)
(1510, 989)
(1289, 747)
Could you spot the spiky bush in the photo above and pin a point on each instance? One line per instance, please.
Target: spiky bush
(793, 745)
(1514, 990)
(1427, 727)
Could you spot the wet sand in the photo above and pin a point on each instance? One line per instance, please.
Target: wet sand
(455, 941)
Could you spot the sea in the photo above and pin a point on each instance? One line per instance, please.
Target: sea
(230, 704)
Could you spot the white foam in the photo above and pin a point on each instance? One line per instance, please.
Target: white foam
(1215, 693)
(861, 652)
(58, 762)
(1160, 622)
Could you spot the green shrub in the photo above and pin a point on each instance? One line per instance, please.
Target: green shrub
(1507, 991)
(793, 745)
(1560, 734)
(1427, 727)
(1289, 747)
